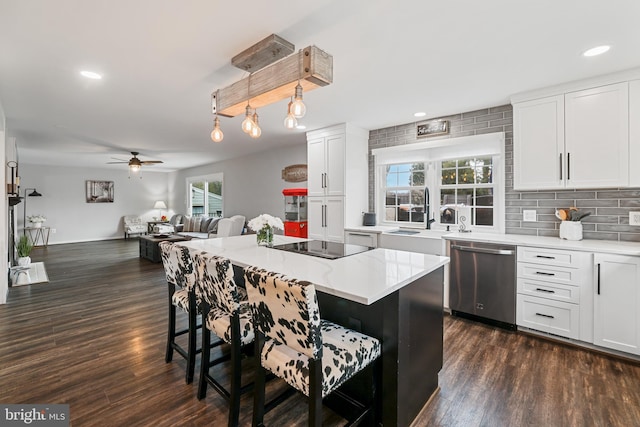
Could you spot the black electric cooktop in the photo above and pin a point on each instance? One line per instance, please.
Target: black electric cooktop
(323, 249)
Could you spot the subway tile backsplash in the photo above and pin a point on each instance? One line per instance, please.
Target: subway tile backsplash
(609, 219)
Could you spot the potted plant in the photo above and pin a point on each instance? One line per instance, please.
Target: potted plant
(24, 248)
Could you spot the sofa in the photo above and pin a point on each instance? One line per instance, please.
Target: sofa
(204, 227)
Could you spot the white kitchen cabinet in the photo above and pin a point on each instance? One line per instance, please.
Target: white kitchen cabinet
(597, 137)
(634, 133)
(338, 171)
(578, 139)
(617, 302)
(361, 238)
(538, 127)
(554, 292)
(326, 218)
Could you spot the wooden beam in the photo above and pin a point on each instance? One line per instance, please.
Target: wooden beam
(275, 82)
(265, 52)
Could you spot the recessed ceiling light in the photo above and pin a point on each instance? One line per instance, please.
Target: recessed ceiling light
(596, 50)
(420, 114)
(301, 127)
(91, 75)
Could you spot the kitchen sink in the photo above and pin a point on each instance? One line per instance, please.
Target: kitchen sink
(404, 232)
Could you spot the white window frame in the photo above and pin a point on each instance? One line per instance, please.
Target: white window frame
(202, 178)
(432, 153)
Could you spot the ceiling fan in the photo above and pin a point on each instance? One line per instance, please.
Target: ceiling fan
(135, 163)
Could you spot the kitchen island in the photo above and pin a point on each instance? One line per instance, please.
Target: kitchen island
(395, 296)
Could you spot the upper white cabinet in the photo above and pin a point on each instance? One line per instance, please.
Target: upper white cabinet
(634, 133)
(597, 137)
(326, 165)
(538, 150)
(616, 322)
(338, 172)
(579, 139)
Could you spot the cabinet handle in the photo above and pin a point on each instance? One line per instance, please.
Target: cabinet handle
(359, 234)
(548, 316)
(542, 273)
(545, 290)
(560, 166)
(324, 180)
(598, 278)
(324, 215)
(545, 257)
(568, 166)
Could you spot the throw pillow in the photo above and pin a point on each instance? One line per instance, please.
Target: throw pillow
(187, 223)
(213, 226)
(204, 224)
(195, 223)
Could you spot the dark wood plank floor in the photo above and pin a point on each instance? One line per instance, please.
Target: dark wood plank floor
(94, 337)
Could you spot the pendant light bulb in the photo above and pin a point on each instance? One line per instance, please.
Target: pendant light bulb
(217, 134)
(247, 123)
(298, 108)
(290, 121)
(255, 130)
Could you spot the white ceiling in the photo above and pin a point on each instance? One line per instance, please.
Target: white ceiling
(161, 59)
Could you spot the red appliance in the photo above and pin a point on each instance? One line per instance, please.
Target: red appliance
(295, 212)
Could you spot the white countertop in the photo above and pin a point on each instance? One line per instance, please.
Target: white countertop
(605, 246)
(372, 228)
(364, 278)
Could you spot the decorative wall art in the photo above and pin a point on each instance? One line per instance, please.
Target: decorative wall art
(295, 173)
(99, 191)
(433, 128)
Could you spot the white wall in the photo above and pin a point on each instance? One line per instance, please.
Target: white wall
(64, 204)
(4, 229)
(252, 184)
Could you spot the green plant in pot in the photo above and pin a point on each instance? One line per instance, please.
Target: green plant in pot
(24, 248)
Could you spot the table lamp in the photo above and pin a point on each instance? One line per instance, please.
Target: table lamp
(160, 205)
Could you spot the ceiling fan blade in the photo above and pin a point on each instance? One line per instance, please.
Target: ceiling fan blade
(113, 163)
(151, 162)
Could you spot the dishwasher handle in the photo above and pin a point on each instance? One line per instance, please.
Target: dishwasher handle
(484, 250)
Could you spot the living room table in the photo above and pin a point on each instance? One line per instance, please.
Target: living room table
(39, 236)
(395, 296)
(149, 248)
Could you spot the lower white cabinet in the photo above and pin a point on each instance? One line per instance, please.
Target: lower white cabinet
(617, 302)
(554, 292)
(361, 238)
(554, 317)
(326, 218)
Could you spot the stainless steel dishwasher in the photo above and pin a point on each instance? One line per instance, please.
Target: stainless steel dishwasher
(483, 282)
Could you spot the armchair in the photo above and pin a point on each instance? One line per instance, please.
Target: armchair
(133, 225)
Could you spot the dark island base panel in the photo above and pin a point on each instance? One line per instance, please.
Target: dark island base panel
(410, 324)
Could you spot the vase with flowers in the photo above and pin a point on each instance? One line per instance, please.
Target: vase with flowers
(37, 220)
(571, 227)
(264, 225)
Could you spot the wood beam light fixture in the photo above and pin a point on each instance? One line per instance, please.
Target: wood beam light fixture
(275, 73)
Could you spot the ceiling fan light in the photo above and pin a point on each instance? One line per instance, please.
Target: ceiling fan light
(298, 108)
(216, 134)
(134, 168)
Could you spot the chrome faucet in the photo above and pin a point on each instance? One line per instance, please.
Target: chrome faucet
(427, 207)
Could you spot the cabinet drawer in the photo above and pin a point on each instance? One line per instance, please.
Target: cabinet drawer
(545, 315)
(561, 275)
(363, 239)
(548, 290)
(555, 257)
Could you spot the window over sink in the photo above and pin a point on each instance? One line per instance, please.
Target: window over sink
(459, 173)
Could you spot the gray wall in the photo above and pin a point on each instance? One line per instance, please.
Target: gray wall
(64, 204)
(609, 208)
(252, 184)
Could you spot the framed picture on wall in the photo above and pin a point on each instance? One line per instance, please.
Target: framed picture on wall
(99, 191)
(433, 128)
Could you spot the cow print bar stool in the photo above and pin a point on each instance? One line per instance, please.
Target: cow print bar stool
(312, 355)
